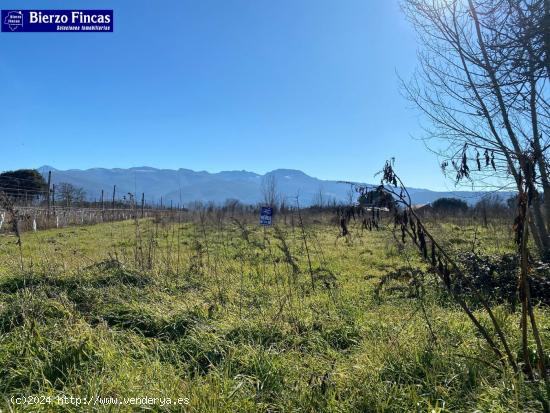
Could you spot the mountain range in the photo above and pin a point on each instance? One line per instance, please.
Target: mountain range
(184, 186)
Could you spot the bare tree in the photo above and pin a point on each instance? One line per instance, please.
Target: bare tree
(68, 194)
(319, 197)
(351, 195)
(270, 190)
(450, 272)
(482, 84)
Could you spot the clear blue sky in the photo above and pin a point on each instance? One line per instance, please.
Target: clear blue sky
(217, 85)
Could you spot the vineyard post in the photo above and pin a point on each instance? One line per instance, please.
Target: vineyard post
(48, 193)
(113, 203)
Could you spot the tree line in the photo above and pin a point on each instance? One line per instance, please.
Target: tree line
(28, 186)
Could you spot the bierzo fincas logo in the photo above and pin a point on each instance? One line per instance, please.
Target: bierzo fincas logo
(57, 21)
(14, 20)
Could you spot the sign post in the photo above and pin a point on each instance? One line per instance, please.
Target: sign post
(266, 216)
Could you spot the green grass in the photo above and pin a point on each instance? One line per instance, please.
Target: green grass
(200, 312)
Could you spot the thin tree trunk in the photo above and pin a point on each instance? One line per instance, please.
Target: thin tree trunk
(526, 295)
(538, 221)
(524, 283)
(546, 35)
(542, 213)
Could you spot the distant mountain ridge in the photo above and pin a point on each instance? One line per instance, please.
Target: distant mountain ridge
(183, 186)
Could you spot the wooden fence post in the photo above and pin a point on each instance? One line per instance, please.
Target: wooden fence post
(48, 193)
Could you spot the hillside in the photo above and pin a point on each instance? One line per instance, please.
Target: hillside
(183, 186)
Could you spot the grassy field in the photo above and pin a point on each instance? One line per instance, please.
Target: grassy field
(234, 318)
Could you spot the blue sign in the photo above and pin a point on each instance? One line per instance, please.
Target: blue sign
(57, 21)
(266, 216)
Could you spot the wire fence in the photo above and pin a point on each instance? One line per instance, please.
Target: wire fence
(34, 218)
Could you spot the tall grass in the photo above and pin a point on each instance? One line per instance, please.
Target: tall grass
(239, 318)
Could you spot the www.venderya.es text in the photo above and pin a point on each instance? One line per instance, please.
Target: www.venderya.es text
(98, 401)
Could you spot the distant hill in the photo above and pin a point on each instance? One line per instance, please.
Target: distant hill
(185, 186)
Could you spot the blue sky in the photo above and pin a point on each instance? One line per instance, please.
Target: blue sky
(217, 85)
